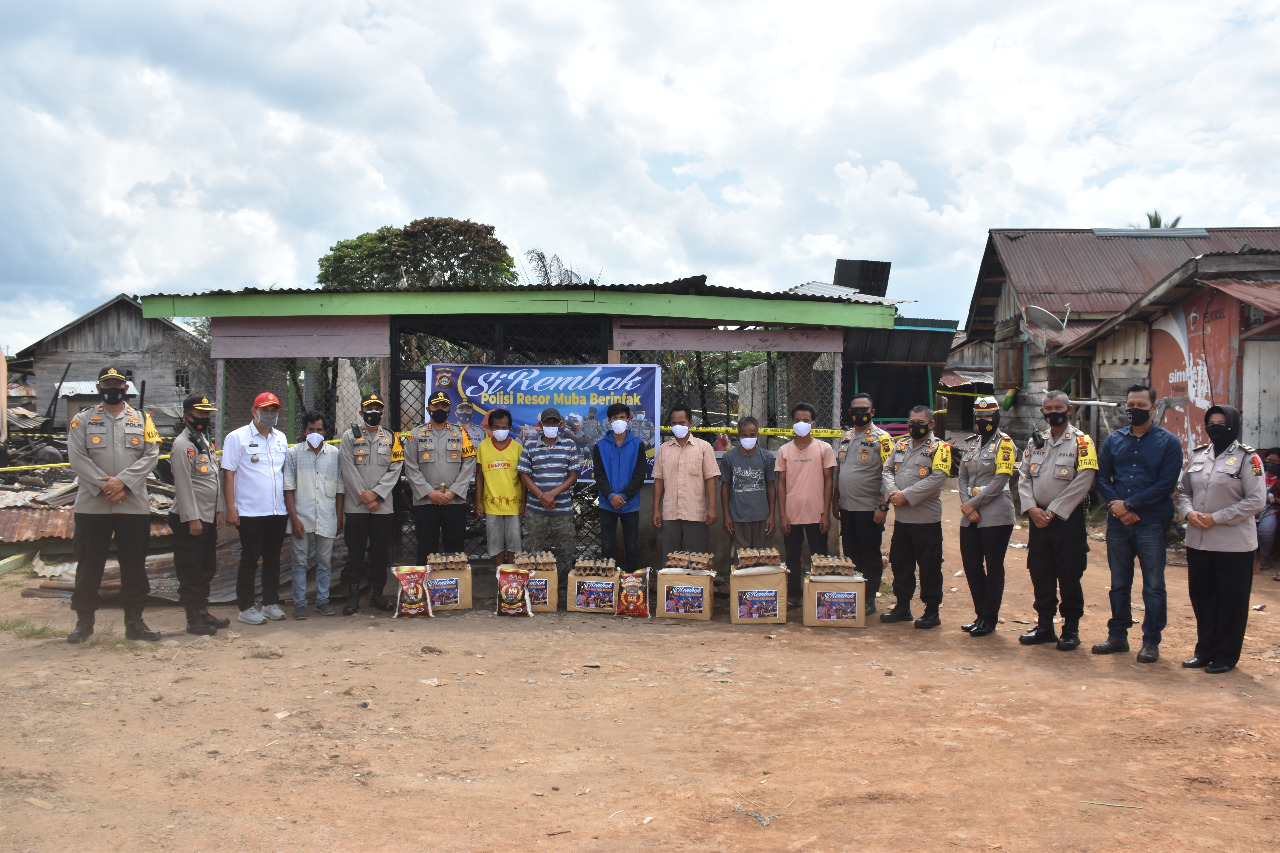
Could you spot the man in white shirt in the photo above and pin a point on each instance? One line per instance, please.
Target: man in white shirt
(313, 494)
(253, 465)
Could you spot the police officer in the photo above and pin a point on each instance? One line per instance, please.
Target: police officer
(112, 447)
(861, 454)
(196, 514)
(440, 459)
(466, 419)
(591, 429)
(643, 428)
(986, 513)
(1218, 493)
(370, 458)
(913, 480)
(1056, 473)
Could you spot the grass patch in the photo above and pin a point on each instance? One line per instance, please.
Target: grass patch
(27, 630)
(107, 638)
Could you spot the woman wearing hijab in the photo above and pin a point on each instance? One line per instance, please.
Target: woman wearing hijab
(1267, 518)
(1220, 490)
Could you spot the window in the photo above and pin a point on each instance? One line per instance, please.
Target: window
(1008, 365)
(182, 382)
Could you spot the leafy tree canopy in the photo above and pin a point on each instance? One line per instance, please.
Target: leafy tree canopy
(436, 253)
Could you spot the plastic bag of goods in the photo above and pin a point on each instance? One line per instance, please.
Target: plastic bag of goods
(633, 593)
(513, 592)
(411, 592)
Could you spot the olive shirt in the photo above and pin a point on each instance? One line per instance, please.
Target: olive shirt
(125, 447)
(439, 460)
(985, 470)
(197, 479)
(1057, 476)
(372, 461)
(1231, 487)
(861, 454)
(919, 472)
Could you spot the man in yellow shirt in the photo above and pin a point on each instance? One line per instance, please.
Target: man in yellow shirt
(499, 493)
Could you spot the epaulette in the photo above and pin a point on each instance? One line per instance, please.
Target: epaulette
(1004, 436)
(975, 435)
(904, 443)
(1247, 449)
(1200, 446)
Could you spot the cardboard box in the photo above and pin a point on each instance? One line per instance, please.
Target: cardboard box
(592, 593)
(544, 591)
(449, 589)
(835, 601)
(758, 599)
(685, 594)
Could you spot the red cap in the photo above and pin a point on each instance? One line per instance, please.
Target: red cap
(266, 398)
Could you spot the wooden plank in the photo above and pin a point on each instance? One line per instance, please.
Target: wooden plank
(724, 340)
(17, 561)
(300, 337)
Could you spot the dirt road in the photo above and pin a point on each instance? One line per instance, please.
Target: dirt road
(585, 732)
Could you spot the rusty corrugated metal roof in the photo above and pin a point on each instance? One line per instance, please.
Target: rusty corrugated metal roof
(28, 524)
(1260, 294)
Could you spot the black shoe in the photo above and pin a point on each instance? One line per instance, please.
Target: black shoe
(136, 629)
(1149, 653)
(871, 608)
(1195, 662)
(83, 629)
(378, 602)
(1070, 640)
(897, 614)
(969, 626)
(930, 619)
(1041, 633)
(1219, 668)
(197, 625)
(213, 621)
(1111, 646)
(352, 606)
(981, 628)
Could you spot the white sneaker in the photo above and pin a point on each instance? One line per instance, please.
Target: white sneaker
(251, 616)
(273, 612)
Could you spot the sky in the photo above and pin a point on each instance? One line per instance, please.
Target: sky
(160, 147)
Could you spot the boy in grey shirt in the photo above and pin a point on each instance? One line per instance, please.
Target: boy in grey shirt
(747, 490)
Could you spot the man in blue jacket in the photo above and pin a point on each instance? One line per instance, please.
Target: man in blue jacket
(620, 465)
(1138, 470)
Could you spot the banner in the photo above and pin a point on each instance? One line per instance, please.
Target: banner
(582, 393)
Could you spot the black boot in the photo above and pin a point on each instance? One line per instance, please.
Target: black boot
(380, 602)
(1070, 640)
(930, 619)
(899, 613)
(83, 629)
(1041, 633)
(136, 629)
(211, 620)
(196, 623)
(352, 607)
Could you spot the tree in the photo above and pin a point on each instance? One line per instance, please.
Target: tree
(552, 271)
(436, 253)
(1154, 220)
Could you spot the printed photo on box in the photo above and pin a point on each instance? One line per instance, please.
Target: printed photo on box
(538, 592)
(597, 595)
(443, 591)
(684, 599)
(837, 605)
(757, 604)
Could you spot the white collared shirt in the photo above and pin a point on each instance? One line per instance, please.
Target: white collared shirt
(315, 480)
(259, 466)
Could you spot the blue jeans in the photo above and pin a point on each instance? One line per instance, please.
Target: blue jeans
(319, 547)
(1146, 542)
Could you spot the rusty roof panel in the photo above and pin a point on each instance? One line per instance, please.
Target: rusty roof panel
(1260, 294)
(27, 524)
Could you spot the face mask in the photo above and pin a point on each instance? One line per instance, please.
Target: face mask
(501, 434)
(747, 443)
(1137, 417)
(1219, 433)
(801, 428)
(268, 418)
(1272, 468)
(439, 416)
(112, 396)
(919, 431)
(984, 427)
(198, 424)
(465, 419)
(372, 418)
(618, 427)
(551, 431)
(315, 439)
(679, 430)
(861, 417)
(1056, 419)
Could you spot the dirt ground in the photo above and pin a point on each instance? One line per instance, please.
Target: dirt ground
(569, 731)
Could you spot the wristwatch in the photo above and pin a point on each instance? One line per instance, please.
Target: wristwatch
(883, 507)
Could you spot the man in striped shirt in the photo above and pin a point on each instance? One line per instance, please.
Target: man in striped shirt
(549, 469)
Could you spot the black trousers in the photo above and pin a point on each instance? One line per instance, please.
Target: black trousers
(912, 545)
(1057, 556)
(982, 551)
(194, 560)
(1219, 583)
(630, 537)
(440, 529)
(368, 540)
(261, 536)
(793, 542)
(92, 539)
(862, 538)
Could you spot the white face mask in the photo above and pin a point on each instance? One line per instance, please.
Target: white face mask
(550, 431)
(501, 434)
(801, 428)
(315, 439)
(268, 418)
(618, 427)
(679, 430)
(747, 443)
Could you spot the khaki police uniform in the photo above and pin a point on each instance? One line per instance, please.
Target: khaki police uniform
(439, 460)
(370, 459)
(919, 471)
(126, 447)
(986, 467)
(1056, 474)
(861, 454)
(197, 485)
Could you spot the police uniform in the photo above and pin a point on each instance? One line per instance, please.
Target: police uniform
(986, 466)
(125, 446)
(474, 431)
(861, 454)
(1231, 487)
(919, 472)
(197, 486)
(439, 459)
(1056, 474)
(370, 458)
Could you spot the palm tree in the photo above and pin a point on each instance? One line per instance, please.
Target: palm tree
(1154, 220)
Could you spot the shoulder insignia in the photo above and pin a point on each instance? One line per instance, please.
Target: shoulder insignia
(1247, 449)
(191, 453)
(75, 424)
(151, 435)
(942, 458)
(1087, 457)
(1199, 447)
(886, 447)
(397, 452)
(1256, 463)
(1006, 455)
(968, 437)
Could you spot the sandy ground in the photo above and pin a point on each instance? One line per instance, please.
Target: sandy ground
(587, 732)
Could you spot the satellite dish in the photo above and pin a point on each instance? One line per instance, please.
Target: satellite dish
(1046, 320)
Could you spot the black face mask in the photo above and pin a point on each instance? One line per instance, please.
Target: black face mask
(372, 418)
(1273, 468)
(1138, 417)
(918, 431)
(198, 424)
(439, 416)
(1056, 419)
(112, 396)
(861, 417)
(984, 427)
(1220, 435)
